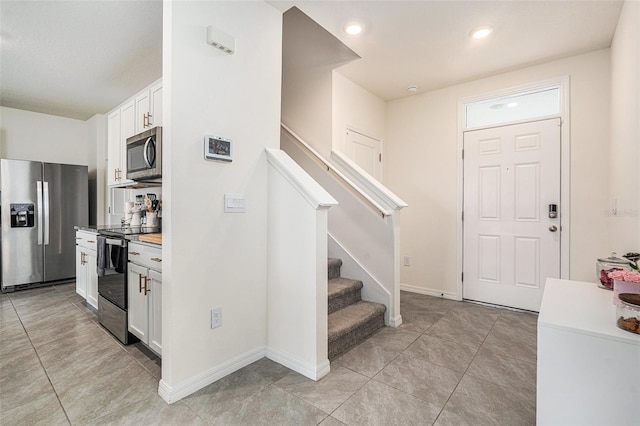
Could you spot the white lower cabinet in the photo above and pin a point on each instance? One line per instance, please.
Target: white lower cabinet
(145, 295)
(86, 263)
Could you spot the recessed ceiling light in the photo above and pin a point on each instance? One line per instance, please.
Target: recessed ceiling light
(512, 104)
(412, 89)
(353, 28)
(481, 32)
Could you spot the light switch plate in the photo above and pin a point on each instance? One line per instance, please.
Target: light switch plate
(235, 203)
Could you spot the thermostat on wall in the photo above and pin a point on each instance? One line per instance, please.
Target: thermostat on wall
(217, 148)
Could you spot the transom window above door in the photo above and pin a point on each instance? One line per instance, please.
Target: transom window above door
(517, 107)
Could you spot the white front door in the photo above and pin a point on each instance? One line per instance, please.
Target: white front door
(511, 244)
(366, 152)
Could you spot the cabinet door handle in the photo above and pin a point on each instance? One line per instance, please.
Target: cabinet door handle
(90, 241)
(146, 290)
(78, 238)
(134, 253)
(149, 123)
(82, 259)
(156, 259)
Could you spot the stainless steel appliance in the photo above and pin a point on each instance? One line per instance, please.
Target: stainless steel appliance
(112, 262)
(40, 203)
(144, 156)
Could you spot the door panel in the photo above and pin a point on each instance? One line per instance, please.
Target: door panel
(511, 175)
(527, 195)
(489, 194)
(527, 261)
(489, 258)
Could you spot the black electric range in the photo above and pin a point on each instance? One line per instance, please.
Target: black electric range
(113, 258)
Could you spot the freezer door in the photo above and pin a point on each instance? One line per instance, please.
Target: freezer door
(22, 255)
(65, 197)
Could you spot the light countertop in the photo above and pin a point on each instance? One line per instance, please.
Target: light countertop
(582, 307)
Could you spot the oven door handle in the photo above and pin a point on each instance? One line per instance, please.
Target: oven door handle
(115, 242)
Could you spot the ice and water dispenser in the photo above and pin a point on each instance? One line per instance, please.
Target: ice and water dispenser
(22, 215)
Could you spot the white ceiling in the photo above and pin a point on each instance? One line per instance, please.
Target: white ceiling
(426, 43)
(79, 58)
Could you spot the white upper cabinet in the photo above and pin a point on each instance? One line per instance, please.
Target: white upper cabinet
(149, 108)
(114, 146)
(120, 126)
(134, 116)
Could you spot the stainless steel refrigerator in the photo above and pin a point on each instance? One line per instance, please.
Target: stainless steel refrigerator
(40, 203)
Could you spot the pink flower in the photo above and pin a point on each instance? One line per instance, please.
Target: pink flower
(631, 276)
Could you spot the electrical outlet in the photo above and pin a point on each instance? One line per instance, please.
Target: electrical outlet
(407, 261)
(216, 317)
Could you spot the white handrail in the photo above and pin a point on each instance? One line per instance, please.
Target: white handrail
(310, 190)
(381, 191)
(330, 168)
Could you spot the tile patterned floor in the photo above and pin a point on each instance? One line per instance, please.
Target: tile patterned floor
(450, 363)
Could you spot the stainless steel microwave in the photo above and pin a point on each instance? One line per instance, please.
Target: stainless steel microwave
(144, 155)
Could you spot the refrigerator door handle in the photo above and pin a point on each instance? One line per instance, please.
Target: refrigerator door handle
(45, 200)
(39, 201)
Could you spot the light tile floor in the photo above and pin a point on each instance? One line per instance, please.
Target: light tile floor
(450, 363)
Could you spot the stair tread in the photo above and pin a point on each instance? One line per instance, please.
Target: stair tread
(341, 286)
(351, 317)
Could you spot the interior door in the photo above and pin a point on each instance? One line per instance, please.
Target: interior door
(511, 242)
(366, 152)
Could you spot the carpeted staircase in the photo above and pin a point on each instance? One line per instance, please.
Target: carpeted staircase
(351, 319)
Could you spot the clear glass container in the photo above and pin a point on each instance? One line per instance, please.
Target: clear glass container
(610, 264)
(628, 312)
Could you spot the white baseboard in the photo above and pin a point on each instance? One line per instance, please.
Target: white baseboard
(395, 321)
(428, 291)
(176, 393)
(313, 372)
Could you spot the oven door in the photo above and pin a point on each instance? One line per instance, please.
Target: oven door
(112, 270)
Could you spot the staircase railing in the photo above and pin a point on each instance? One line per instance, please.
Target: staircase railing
(332, 169)
(364, 228)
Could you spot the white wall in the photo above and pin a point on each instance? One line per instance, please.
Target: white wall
(624, 163)
(357, 109)
(307, 76)
(213, 259)
(97, 142)
(420, 166)
(26, 135)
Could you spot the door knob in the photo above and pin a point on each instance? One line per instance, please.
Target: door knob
(553, 228)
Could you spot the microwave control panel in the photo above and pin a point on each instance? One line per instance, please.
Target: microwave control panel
(218, 148)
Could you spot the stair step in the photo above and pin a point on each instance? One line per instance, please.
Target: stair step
(350, 325)
(334, 267)
(343, 292)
